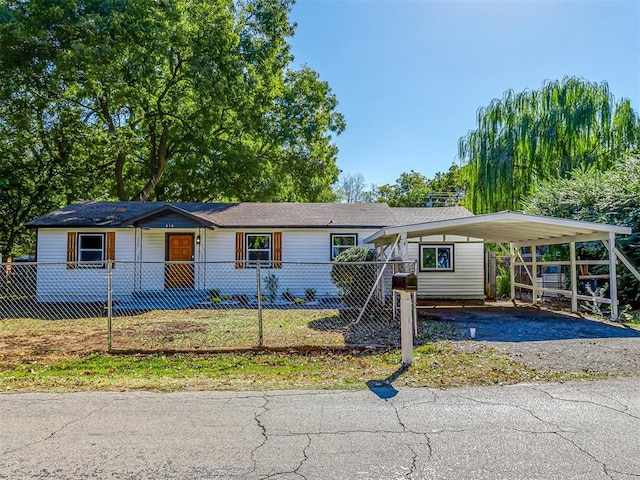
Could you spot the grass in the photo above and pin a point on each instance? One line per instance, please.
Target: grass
(435, 365)
(70, 355)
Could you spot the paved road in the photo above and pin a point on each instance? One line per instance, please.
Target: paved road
(585, 430)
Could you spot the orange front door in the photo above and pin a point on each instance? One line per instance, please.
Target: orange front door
(179, 249)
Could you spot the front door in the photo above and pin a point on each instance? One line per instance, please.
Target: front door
(179, 249)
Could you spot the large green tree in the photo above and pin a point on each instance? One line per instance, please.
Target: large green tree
(169, 100)
(527, 137)
(611, 196)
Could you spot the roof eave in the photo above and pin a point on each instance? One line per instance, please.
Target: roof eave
(133, 221)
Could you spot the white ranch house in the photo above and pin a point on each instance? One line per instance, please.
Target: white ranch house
(219, 244)
(222, 239)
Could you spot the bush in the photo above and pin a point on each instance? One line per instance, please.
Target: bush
(354, 282)
(271, 284)
(241, 298)
(310, 294)
(503, 283)
(612, 196)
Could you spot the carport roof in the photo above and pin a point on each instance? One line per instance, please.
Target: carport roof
(506, 227)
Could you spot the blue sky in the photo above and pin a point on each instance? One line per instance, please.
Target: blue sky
(410, 75)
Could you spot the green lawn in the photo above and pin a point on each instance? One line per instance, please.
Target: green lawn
(70, 355)
(435, 365)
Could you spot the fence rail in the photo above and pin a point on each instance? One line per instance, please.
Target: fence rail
(187, 306)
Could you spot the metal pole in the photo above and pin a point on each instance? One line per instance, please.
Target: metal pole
(260, 339)
(512, 270)
(574, 277)
(109, 306)
(534, 274)
(406, 328)
(613, 276)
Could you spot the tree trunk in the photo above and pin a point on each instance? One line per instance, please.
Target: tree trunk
(122, 195)
(160, 157)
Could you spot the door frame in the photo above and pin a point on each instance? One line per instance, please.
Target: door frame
(167, 236)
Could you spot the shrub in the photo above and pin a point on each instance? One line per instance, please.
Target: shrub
(288, 296)
(611, 196)
(354, 282)
(271, 284)
(241, 298)
(503, 283)
(310, 294)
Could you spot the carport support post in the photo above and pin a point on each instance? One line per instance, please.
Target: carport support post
(534, 272)
(574, 277)
(613, 276)
(512, 270)
(406, 328)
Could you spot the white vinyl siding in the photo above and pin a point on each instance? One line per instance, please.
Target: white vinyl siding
(465, 282)
(298, 245)
(55, 282)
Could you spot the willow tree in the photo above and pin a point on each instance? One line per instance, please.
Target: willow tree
(536, 135)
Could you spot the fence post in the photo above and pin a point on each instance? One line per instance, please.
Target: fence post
(259, 303)
(109, 306)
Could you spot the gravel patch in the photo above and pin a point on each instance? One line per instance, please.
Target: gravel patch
(545, 340)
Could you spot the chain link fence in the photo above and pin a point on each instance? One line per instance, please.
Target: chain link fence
(192, 306)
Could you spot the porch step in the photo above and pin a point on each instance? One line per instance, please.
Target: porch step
(169, 299)
(173, 293)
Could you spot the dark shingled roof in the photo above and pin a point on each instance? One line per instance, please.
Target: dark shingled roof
(413, 215)
(245, 215)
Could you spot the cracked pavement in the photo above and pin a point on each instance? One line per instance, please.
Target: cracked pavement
(577, 430)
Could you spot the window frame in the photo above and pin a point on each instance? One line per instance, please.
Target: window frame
(341, 247)
(253, 263)
(437, 246)
(103, 250)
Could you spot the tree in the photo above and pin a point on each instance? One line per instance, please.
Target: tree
(410, 190)
(536, 135)
(351, 188)
(416, 190)
(173, 100)
(611, 196)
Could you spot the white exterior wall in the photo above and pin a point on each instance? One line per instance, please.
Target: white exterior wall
(217, 248)
(298, 245)
(467, 279)
(56, 282)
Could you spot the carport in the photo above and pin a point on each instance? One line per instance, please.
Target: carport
(521, 230)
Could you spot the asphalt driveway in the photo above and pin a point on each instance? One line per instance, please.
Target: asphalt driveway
(547, 340)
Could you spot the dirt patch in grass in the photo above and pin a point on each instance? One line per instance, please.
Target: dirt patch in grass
(70, 355)
(24, 340)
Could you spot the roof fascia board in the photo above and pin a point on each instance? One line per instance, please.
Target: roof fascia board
(326, 227)
(564, 239)
(424, 229)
